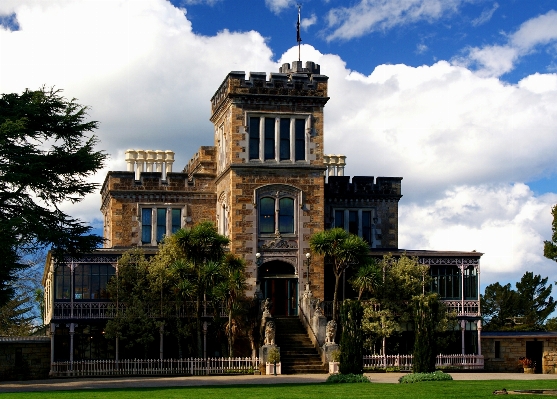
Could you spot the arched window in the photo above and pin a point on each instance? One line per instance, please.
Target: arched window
(270, 216)
(286, 215)
(267, 215)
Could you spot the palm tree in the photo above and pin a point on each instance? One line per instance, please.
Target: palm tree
(342, 249)
(367, 278)
(204, 250)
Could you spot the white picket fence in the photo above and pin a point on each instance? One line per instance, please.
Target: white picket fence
(404, 362)
(191, 366)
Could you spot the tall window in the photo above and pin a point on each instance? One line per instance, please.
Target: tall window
(283, 138)
(270, 216)
(90, 281)
(356, 221)
(470, 283)
(158, 222)
(445, 280)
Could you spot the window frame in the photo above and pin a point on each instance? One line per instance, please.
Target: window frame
(353, 221)
(277, 193)
(159, 230)
(278, 147)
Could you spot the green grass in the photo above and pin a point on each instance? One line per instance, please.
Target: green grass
(429, 390)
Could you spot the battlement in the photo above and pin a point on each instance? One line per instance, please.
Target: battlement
(202, 163)
(363, 187)
(294, 81)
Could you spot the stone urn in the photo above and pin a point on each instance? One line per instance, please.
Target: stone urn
(529, 370)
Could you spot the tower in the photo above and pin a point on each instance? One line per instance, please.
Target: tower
(270, 175)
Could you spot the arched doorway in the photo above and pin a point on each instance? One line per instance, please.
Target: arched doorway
(280, 285)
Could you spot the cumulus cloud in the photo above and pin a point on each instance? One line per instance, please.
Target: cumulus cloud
(506, 222)
(366, 16)
(277, 6)
(496, 60)
(307, 22)
(458, 138)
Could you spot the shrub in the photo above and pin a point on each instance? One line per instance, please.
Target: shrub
(274, 355)
(346, 378)
(351, 339)
(419, 377)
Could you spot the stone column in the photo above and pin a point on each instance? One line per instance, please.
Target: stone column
(130, 160)
(150, 160)
(341, 163)
(479, 327)
(462, 328)
(140, 160)
(169, 161)
(160, 160)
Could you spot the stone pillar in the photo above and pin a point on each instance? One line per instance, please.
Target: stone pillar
(130, 160)
(332, 165)
(140, 160)
(151, 158)
(169, 161)
(160, 160)
(326, 162)
(328, 350)
(341, 163)
(319, 325)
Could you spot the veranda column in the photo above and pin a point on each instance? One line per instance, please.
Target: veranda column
(479, 327)
(72, 333)
(52, 331)
(161, 346)
(462, 328)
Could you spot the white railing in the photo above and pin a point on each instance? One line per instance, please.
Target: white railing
(191, 366)
(463, 308)
(404, 362)
(108, 310)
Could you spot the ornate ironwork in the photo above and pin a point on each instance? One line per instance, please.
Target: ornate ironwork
(448, 261)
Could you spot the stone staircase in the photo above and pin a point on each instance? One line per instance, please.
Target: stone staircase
(297, 353)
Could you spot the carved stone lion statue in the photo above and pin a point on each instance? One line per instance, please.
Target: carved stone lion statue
(331, 332)
(270, 333)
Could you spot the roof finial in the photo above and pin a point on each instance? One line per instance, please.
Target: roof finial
(299, 38)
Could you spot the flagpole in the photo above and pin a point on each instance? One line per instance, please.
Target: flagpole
(298, 38)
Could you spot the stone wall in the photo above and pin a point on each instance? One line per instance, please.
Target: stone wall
(512, 349)
(24, 358)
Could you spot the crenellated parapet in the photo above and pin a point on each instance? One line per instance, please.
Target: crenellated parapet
(363, 188)
(295, 81)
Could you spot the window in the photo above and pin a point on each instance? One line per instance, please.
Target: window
(445, 280)
(90, 281)
(283, 138)
(470, 283)
(357, 221)
(158, 222)
(268, 213)
(497, 349)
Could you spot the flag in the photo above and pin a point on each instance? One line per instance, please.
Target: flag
(298, 38)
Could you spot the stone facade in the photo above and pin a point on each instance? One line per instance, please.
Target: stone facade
(24, 358)
(502, 350)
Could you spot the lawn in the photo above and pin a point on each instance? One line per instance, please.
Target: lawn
(429, 390)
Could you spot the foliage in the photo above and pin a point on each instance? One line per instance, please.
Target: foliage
(16, 318)
(274, 355)
(46, 160)
(402, 279)
(368, 278)
(335, 355)
(351, 339)
(550, 247)
(343, 250)
(551, 324)
(131, 287)
(426, 317)
(420, 377)
(347, 378)
(525, 308)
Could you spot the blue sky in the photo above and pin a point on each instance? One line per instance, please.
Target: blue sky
(459, 97)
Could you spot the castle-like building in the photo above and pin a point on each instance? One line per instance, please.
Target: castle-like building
(268, 184)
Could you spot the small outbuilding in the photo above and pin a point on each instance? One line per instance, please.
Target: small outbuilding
(502, 350)
(24, 358)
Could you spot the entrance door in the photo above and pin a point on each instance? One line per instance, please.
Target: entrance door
(534, 351)
(280, 285)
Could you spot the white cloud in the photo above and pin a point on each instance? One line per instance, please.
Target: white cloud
(506, 222)
(496, 60)
(485, 16)
(307, 22)
(421, 48)
(453, 135)
(208, 2)
(277, 6)
(366, 16)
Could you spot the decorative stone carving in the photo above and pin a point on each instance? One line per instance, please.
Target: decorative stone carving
(270, 330)
(267, 309)
(279, 243)
(331, 332)
(318, 309)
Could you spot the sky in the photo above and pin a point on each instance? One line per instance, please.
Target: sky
(458, 97)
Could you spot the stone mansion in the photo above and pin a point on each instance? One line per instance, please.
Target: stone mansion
(267, 183)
